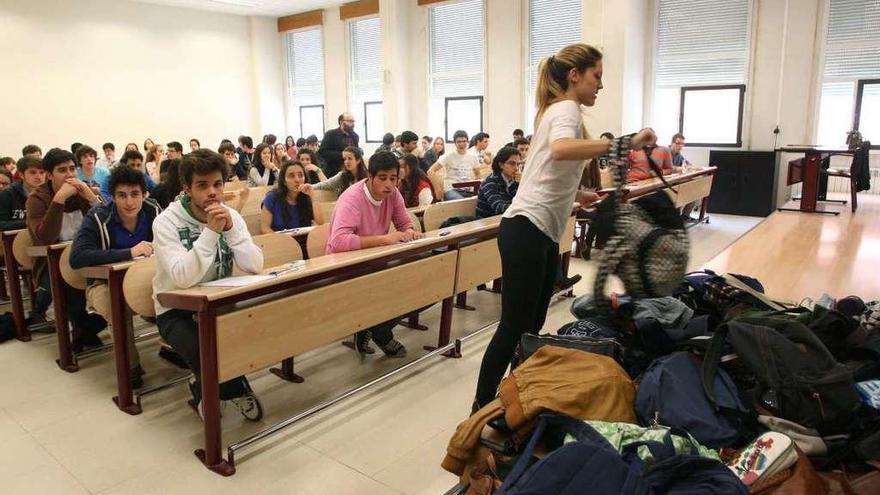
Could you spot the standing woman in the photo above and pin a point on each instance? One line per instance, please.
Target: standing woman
(528, 239)
(263, 171)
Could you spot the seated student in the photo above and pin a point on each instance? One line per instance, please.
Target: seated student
(135, 160)
(153, 160)
(497, 192)
(245, 154)
(498, 189)
(309, 160)
(54, 213)
(387, 142)
(288, 206)
(263, 171)
(131, 147)
(678, 160)
(227, 149)
(32, 150)
(118, 231)
(170, 188)
(522, 145)
(13, 198)
(196, 240)
(88, 171)
(175, 151)
(361, 220)
(413, 183)
(433, 154)
(109, 160)
(8, 163)
(5, 179)
(194, 144)
(280, 154)
(480, 148)
(640, 169)
(353, 170)
(460, 166)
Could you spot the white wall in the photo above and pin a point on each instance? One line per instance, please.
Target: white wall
(108, 70)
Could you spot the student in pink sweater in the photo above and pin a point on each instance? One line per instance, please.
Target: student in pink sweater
(361, 220)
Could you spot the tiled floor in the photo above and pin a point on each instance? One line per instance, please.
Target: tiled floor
(60, 432)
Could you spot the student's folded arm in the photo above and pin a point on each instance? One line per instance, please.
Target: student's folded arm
(248, 256)
(186, 267)
(44, 222)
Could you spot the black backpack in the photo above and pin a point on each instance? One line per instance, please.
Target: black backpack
(788, 372)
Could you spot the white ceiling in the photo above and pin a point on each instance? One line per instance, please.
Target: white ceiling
(275, 8)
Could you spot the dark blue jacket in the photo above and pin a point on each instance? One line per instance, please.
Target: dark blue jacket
(12, 207)
(495, 196)
(93, 244)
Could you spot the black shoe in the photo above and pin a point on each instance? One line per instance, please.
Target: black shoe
(567, 283)
(84, 340)
(394, 349)
(362, 342)
(137, 377)
(172, 357)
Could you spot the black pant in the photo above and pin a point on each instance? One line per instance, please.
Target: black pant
(529, 260)
(74, 305)
(383, 332)
(180, 329)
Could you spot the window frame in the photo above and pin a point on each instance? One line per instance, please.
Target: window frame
(366, 121)
(857, 109)
(323, 119)
(740, 113)
(446, 101)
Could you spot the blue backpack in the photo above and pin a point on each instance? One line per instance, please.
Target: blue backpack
(592, 465)
(671, 393)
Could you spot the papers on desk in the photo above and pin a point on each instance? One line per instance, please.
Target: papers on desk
(237, 281)
(252, 279)
(300, 230)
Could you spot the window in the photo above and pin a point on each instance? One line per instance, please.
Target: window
(305, 82)
(701, 54)
(374, 121)
(712, 114)
(849, 94)
(365, 83)
(548, 33)
(456, 67)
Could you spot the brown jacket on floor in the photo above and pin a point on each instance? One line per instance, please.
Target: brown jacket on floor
(568, 381)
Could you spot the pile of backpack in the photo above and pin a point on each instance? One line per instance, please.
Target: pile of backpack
(718, 388)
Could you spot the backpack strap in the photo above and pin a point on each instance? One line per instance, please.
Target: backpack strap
(745, 423)
(523, 462)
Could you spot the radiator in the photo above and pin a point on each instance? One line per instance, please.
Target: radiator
(841, 185)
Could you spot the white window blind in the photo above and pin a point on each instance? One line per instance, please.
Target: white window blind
(456, 34)
(365, 37)
(305, 80)
(553, 24)
(852, 53)
(698, 43)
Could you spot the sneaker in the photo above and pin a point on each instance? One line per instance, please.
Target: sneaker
(196, 401)
(394, 349)
(567, 283)
(362, 342)
(249, 406)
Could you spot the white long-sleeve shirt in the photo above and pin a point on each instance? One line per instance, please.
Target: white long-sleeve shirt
(188, 252)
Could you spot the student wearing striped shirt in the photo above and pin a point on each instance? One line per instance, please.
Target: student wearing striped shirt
(640, 169)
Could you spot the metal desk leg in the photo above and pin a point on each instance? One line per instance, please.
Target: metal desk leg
(124, 400)
(211, 456)
(66, 359)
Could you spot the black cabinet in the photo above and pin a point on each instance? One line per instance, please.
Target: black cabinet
(745, 182)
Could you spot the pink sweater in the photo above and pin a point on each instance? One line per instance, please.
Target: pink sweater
(356, 215)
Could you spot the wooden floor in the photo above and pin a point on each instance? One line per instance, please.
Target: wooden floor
(797, 255)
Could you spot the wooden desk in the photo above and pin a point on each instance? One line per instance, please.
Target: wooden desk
(13, 274)
(66, 358)
(113, 274)
(809, 171)
(424, 272)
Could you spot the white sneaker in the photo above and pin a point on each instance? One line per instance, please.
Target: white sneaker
(249, 406)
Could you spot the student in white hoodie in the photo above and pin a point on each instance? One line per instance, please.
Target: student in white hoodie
(196, 240)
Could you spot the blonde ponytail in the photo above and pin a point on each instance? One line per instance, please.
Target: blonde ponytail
(553, 71)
